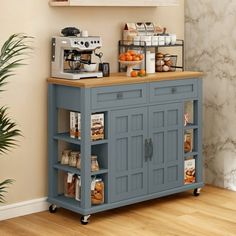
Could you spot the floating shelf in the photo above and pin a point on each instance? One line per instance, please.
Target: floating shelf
(115, 3)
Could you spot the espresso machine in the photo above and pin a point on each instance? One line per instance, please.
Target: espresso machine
(71, 53)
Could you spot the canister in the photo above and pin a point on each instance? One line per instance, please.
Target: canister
(150, 60)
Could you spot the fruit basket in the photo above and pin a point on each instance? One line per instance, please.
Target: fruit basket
(130, 65)
(130, 59)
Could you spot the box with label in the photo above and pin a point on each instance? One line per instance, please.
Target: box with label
(129, 33)
(189, 171)
(74, 124)
(97, 126)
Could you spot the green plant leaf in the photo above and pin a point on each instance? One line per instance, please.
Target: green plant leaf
(3, 188)
(12, 55)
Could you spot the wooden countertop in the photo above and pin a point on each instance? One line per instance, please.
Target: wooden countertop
(121, 78)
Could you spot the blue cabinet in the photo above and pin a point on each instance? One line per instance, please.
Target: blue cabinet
(143, 154)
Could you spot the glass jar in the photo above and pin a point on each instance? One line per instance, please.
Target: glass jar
(94, 163)
(65, 157)
(74, 156)
(97, 192)
(69, 185)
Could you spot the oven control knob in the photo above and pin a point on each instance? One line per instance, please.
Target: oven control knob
(86, 44)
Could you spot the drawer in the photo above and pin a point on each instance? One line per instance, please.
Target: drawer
(105, 97)
(172, 90)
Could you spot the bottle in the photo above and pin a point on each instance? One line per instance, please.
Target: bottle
(65, 157)
(94, 163)
(74, 156)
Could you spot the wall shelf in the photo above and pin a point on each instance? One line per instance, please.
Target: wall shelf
(115, 3)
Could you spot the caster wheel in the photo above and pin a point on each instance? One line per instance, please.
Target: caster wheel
(84, 220)
(53, 208)
(196, 192)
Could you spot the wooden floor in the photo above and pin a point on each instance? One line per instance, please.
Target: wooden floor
(213, 213)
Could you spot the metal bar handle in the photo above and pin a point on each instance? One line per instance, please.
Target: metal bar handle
(150, 149)
(146, 149)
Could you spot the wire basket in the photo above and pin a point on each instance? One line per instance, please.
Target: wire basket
(166, 63)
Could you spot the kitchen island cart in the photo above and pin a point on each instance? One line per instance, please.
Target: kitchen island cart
(143, 152)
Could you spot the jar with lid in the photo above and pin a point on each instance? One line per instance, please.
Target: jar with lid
(94, 163)
(97, 191)
(69, 185)
(74, 156)
(65, 157)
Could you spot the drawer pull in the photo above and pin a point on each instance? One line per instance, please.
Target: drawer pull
(119, 95)
(174, 90)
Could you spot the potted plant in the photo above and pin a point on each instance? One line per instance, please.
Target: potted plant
(12, 55)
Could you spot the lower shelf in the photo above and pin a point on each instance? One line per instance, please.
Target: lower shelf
(73, 205)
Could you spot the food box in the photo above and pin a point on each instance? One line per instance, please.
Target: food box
(97, 125)
(189, 171)
(74, 124)
(129, 33)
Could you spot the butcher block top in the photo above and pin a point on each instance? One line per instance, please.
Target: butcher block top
(121, 78)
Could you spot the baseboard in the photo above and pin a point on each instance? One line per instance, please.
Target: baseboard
(23, 208)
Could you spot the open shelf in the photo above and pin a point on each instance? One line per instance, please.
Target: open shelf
(66, 137)
(190, 126)
(77, 171)
(131, 3)
(189, 154)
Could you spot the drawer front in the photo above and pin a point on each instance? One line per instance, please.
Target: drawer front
(105, 97)
(172, 90)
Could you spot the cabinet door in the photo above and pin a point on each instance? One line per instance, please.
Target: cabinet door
(128, 165)
(165, 130)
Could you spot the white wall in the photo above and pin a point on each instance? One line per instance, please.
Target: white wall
(26, 93)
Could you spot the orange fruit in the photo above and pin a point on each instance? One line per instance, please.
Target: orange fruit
(122, 57)
(134, 73)
(128, 58)
(141, 56)
(136, 58)
(142, 72)
(131, 52)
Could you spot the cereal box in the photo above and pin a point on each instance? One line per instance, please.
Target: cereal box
(189, 171)
(97, 126)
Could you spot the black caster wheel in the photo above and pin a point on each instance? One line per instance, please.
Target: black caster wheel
(196, 192)
(53, 208)
(84, 220)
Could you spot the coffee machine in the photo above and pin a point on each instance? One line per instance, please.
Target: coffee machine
(71, 53)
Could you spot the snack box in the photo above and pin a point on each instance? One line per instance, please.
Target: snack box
(189, 171)
(74, 124)
(97, 125)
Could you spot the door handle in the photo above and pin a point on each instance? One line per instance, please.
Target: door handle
(146, 149)
(150, 149)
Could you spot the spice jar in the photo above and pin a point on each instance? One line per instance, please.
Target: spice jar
(94, 163)
(73, 159)
(65, 157)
